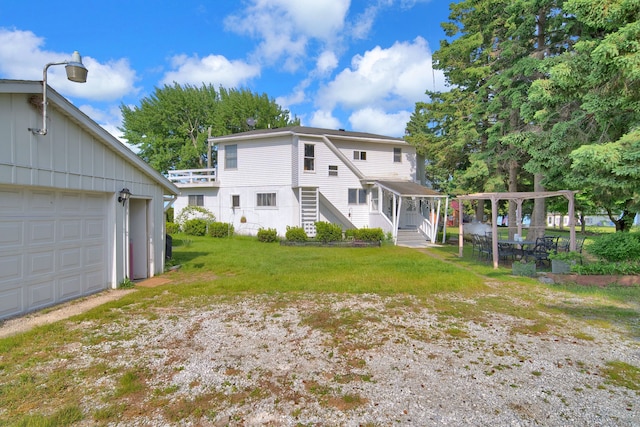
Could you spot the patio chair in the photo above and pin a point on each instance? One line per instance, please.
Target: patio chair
(486, 248)
(544, 247)
(475, 244)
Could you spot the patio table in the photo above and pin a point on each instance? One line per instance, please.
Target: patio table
(518, 246)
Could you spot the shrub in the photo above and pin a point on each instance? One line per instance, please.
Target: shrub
(296, 234)
(366, 234)
(172, 228)
(169, 215)
(194, 212)
(220, 229)
(616, 247)
(267, 235)
(327, 232)
(195, 227)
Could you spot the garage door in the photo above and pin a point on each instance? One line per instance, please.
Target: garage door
(53, 248)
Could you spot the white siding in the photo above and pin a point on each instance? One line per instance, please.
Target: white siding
(379, 163)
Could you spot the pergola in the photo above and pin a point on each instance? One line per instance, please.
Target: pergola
(517, 197)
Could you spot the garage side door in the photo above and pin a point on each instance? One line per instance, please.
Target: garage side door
(53, 248)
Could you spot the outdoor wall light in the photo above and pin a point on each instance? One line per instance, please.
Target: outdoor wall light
(76, 72)
(124, 196)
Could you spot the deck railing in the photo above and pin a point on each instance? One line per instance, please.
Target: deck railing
(192, 176)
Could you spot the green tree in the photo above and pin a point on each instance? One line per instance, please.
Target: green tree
(476, 136)
(590, 105)
(170, 127)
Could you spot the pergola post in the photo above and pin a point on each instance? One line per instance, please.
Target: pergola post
(460, 229)
(494, 230)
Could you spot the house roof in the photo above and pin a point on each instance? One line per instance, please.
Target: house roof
(84, 121)
(310, 131)
(409, 189)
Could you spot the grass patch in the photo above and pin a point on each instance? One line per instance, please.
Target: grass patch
(622, 374)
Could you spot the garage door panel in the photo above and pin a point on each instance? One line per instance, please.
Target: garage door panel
(70, 230)
(39, 263)
(11, 301)
(70, 203)
(70, 287)
(12, 201)
(10, 267)
(40, 294)
(94, 205)
(41, 232)
(11, 233)
(69, 259)
(94, 229)
(41, 202)
(93, 281)
(94, 255)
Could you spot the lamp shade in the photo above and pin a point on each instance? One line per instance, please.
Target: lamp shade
(76, 71)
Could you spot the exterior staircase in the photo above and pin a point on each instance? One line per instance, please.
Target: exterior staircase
(412, 238)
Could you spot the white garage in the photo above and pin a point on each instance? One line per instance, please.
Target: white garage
(64, 233)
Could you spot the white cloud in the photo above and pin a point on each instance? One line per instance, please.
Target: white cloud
(285, 27)
(298, 95)
(364, 22)
(378, 121)
(396, 77)
(110, 119)
(22, 57)
(324, 119)
(326, 63)
(213, 69)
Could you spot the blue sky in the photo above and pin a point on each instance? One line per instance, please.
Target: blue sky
(357, 65)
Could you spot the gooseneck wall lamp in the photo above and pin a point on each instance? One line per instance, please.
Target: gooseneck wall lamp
(124, 196)
(76, 72)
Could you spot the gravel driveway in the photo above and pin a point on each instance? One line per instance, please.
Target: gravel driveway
(364, 360)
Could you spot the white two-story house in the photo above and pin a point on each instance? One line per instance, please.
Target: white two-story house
(295, 176)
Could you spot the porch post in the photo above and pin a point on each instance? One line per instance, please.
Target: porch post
(434, 232)
(394, 216)
(445, 217)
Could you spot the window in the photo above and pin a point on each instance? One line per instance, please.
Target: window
(309, 157)
(231, 156)
(359, 155)
(235, 200)
(266, 200)
(397, 155)
(196, 200)
(357, 196)
(333, 170)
